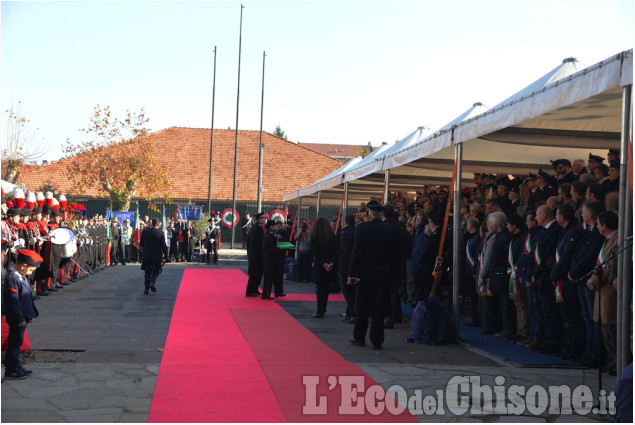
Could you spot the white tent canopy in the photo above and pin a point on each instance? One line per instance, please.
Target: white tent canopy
(567, 113)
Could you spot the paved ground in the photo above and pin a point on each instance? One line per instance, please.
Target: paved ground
(97, 346)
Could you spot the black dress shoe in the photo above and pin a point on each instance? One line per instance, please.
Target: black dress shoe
(376, 347)
(255, 294)
(318, 315)
(266, 298)
(15, 374)
(284, 294)
(59, 287)
(44, 294)
(153, 288)
(356, 342)
(52, 290)
(145, 291)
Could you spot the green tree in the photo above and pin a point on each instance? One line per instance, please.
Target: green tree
(117, 158)
(279, 132)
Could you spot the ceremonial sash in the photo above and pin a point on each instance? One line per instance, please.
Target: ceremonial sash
(468, 256)
(537, 257)
(601, 255)
(512, 271)
(558, 288)
(482, 290)
(527, 246)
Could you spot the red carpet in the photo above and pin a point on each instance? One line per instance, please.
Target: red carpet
(229, 358)
(311, 297)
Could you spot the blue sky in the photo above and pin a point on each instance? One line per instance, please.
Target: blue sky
(336, 72)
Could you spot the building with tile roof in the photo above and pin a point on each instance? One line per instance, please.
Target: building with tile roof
(340, 152)
(184, 152)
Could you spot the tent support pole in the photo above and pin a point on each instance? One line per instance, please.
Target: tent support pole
(297, 224)
(625, 229)
(386, 186)
(317, 204)
(456, 236)
(345, 205)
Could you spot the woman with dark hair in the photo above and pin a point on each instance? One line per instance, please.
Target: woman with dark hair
(325, 261)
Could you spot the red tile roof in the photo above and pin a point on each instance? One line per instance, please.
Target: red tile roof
(334, 150)
(184, 152)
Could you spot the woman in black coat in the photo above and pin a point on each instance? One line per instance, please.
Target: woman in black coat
(325, 261)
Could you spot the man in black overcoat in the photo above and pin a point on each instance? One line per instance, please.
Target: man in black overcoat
(254, 255)
(271, 260)
(347, 239)
(155, 251)
(373, 262)
(404, 242)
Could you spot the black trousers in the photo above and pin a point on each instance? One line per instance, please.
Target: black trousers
(349, 295)
(322, 293)
(150, 279)
(212, 252)
(255, 276)
(370, 305)
(14, 342)
(573, 316)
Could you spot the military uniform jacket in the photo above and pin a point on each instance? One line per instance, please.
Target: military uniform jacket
(254, 244)
(20, 305)
(269, 251)
(373, 258)
(542, 194)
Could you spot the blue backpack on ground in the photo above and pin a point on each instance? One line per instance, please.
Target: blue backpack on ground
(293, 272)
(431, 323)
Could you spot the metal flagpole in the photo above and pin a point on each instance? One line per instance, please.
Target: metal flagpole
(240, 41)
(456, 240)
(624, 263)
(262, 103)
(211, 141)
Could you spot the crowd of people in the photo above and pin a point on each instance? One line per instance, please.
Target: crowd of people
(536, 250)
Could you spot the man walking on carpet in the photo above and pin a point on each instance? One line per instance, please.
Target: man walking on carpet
(155, 251)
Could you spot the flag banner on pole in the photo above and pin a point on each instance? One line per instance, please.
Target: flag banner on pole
(189, 212)
(122, 215)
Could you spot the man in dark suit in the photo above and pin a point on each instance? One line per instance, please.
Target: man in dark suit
(271, 260)
(347, 239)
(254, 255)
(429, 254)
(155, 251)
(583, 261)
(544, 260)
(570, 238)
(404, 242)
(372, 264)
